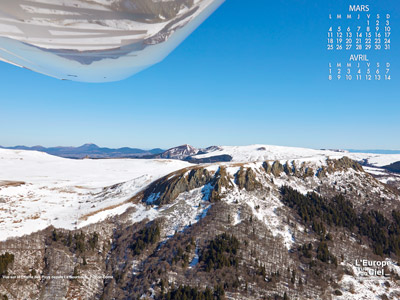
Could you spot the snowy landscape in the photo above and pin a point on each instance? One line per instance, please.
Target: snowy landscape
(38, 191)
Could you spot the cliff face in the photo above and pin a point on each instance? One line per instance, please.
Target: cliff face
(46, 262)
(246, 231)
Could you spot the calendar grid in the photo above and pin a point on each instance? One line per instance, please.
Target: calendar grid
(362, 40)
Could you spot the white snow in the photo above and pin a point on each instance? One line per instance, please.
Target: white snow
(264, 209)
(255, 153)
(375, 171)
(195, 259)
(237, 219)
(354, 287)
(187, 209)
(38, 190)
(378, 160)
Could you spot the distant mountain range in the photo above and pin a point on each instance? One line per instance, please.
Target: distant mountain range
(183, 152)
(91, 151)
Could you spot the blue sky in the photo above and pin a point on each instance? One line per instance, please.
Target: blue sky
(252, 73)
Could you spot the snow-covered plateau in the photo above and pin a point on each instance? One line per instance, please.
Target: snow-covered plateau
(38, 190)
